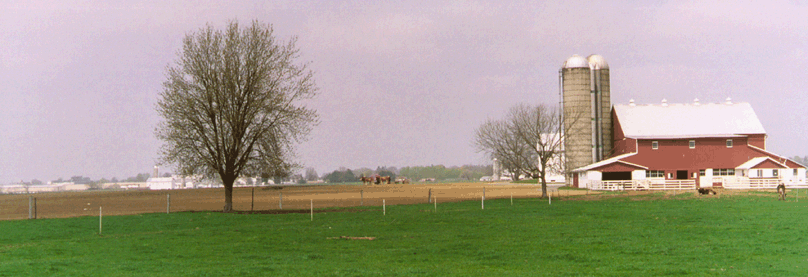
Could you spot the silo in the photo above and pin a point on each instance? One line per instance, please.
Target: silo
(577, 104)
(600, 90)
(587, 110)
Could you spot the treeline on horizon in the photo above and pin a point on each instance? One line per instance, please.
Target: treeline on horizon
(413, 173)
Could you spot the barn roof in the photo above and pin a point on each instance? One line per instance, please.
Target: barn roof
(688, 120)
(615, 159)
(756, 161)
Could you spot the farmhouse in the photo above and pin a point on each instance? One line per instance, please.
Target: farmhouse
(684, 146)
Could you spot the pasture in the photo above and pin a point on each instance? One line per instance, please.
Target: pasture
(613, 234)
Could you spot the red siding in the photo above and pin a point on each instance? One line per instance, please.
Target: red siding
(768, 164)
(677, 155)
(758, 140)
(792, 164)
(617, 167)
(617, 132)
(626, 145)
(621, 144)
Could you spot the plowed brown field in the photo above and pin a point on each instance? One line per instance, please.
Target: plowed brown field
(87, 203)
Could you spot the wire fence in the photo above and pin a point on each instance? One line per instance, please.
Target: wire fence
(268, 198)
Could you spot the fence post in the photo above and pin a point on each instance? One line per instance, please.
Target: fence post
(35, 209)
(280, 201)
(312, 209)
(430, 196)
(361, 197)
(384, 207)
(482, 201)
(252, 202)
(168, 203)
(100, 215)
(30, 207)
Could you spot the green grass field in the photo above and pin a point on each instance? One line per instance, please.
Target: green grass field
(750, 234)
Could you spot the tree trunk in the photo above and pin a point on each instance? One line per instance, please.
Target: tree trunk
(228, 195)
(543, 180)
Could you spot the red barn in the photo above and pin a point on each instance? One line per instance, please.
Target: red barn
(684, 146)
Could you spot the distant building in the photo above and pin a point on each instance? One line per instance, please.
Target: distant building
(179, 182)
(14, 189)
(160, 183)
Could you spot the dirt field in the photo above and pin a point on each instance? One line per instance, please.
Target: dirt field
(71, 204)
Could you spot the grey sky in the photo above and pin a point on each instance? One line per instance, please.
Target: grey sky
(400, 83)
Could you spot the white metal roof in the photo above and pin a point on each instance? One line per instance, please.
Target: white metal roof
(597, 62)
(688, 120)
(756, 161)
(609, 161)
(575, 62)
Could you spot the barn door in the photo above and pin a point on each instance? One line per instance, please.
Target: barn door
(681, 175)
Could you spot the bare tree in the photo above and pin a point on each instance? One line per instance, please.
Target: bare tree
(497, 138)
(311, 174)
(541, 127)
(231, 105)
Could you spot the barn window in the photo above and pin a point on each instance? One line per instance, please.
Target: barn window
(775, 172)
(795, 172)
(692, 144)
(702, 173)
(729, 143)
(724, 172)
(694, 175)
(759, 173)
(654, 174)
(654, 145)
(670, 175)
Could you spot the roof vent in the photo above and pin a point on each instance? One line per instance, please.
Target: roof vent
(696, 102)
(729, 101)
(664, 102)
(631, 102)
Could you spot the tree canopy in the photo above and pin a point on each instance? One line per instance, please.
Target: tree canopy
(232, 105)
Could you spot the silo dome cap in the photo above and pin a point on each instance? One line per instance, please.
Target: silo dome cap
(597, 62)
(575, 62)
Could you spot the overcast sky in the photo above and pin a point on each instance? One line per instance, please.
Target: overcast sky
(401, 83)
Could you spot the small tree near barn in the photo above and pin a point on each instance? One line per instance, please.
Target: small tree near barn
(498, 139)
(541, 127)
(231, 105)
(526, 141)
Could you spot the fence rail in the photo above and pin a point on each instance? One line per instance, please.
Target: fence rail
(727, 182)
(758, 183)
(648, 184)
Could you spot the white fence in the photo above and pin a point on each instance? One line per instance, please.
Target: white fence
(735, 182)
(647, 184)
(729, 182)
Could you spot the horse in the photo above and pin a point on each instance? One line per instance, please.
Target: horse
(365, 180)
(385, 179)
(781, 190)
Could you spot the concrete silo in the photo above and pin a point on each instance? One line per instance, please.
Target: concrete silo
(587, 110)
